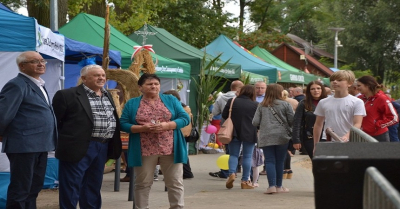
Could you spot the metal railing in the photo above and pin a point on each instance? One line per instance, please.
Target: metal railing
(379, 192)
(357, 135)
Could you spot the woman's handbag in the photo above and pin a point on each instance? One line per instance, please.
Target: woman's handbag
(194, 134)
(225, 132)
(289, 132)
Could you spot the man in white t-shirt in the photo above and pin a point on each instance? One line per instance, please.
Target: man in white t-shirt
(340, 111)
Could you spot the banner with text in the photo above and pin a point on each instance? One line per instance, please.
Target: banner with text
(50, 43)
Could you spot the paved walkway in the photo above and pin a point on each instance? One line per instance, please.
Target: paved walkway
(204, 191)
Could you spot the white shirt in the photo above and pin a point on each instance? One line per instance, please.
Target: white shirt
(40, 83)
(339, 112)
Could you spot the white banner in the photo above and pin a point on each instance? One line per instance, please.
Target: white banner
(50, 43)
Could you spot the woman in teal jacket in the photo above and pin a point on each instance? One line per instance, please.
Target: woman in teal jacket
(153, 122)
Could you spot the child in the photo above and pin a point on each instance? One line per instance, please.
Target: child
(340, 111)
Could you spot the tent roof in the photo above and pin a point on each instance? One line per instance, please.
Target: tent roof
(168, 45)
(3, 7)
(293, 73)
(75, 51)
(90, 29)
(18, 32)
(237, 55)
(254, 78)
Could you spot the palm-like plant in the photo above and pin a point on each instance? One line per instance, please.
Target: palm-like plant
(206, 85)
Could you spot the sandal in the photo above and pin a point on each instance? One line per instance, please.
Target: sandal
(289, 174)
(271, 190)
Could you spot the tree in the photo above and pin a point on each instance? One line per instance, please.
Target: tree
(371, 34)
(194, 21)
(268, 41)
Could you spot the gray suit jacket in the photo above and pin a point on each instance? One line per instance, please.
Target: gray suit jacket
(27, 121)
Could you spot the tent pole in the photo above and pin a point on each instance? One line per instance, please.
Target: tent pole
(62, 75)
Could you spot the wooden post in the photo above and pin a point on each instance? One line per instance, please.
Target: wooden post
(106, 41)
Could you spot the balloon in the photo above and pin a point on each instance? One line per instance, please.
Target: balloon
(211, 129)
(213, 145)
(223, 162)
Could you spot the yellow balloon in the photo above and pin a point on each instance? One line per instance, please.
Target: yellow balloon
(223, 162)
(212, 145)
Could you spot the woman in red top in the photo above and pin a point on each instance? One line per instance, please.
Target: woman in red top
(380, 111)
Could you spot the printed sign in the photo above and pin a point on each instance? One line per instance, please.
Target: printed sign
(49, 43)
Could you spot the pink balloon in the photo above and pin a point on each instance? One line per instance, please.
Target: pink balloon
(211, 129)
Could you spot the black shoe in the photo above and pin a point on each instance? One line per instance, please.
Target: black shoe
(125, 179)
(188, 177)
(217, 175)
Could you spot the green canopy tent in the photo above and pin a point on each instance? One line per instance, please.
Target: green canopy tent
(294, 75)
(254, 78)
(90, 29)
(168, 45)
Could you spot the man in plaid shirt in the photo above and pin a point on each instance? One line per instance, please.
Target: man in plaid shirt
(89, 134)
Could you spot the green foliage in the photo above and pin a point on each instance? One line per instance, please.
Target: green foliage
(194, 21)
(326, 61)
(268, 41)
(206, 85)
(14, 4)
(361, 73)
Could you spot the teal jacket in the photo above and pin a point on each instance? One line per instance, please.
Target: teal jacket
(179, 116)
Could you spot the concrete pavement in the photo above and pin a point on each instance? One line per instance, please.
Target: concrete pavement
(204, 191)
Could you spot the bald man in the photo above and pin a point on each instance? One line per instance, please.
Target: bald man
(28, 130)
(353, 90)
(298, 94)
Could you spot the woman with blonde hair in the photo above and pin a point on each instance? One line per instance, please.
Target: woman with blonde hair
(274, 118)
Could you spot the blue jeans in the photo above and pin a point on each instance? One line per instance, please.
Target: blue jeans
(234, 151)
(393, 133)
(275, 156)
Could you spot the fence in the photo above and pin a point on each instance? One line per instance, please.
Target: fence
(378, 191)
(357, 135)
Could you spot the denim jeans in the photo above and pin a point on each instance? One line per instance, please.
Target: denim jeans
(234, 151)
(275, 156)
(393, 133)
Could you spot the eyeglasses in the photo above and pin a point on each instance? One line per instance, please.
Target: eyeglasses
(36, 62)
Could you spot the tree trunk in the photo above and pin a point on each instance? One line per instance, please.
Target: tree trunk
(62, 12)
(241, 15)
(39, 10)
(98, 8)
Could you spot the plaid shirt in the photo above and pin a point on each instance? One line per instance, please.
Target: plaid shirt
(104, 122)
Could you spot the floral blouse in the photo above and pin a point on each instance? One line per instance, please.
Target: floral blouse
(160, 143)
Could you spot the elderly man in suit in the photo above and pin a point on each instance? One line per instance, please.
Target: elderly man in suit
(27, 129)
(89, 134)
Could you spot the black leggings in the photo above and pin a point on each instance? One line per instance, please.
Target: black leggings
(288, 158)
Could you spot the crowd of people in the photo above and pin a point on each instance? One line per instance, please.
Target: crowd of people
(82, 125)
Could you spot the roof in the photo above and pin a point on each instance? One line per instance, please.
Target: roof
(294, 74)
(18, 32)
(3, 7)
(303, 43)
(75, 51)
(168, 45)
(90, 29)
(309, 58)
(230, 51)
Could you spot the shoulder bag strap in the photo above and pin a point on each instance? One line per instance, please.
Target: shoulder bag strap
(279, 118)
(230, 108)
